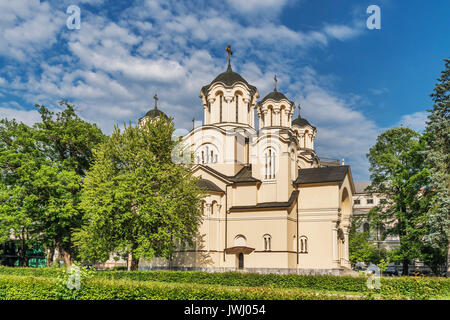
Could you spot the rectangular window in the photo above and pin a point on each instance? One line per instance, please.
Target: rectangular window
(357, 201)
(369, 201)
(383, 201)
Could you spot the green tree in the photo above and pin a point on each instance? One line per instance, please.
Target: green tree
(361, 249)
(67, 142)
(437, 135)
(41, 169)
(136, 199)
(398, 173)
(19, 158)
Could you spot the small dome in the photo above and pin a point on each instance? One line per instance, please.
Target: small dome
(276, 96)
(301, 122)
(156, 113)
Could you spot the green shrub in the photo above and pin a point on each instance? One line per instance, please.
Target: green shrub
(32, 288)
(391, 288)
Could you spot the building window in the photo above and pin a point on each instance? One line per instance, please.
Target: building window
(220, 117)
(383, 201)
(369, 201)
(237, 108)
(303, 244)
(357, 201)
(208, 154)
(269, 157)
(366, 227)
(267, 242)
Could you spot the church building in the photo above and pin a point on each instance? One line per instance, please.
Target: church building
(272, 204)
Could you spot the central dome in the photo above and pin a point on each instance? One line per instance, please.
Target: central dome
(229, 78)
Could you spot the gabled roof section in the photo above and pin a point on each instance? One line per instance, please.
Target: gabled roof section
(270, 205)
(244, 175)
(361, 186)
(324, 174)
(208, 185)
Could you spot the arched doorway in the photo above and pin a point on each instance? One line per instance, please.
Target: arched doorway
(240, 261)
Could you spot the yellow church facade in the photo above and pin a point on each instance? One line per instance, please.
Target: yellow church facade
(271, 204)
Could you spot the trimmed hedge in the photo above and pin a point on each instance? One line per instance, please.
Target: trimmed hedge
(36, 288)
(391, 288)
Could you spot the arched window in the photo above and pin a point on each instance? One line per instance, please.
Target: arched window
(207, 154)
(269, 158)
(213, 207)
(305, 136)
(267, 242)
(240, 241)
(366, 227)
(220, 117)
(237, 107)
(303, 244)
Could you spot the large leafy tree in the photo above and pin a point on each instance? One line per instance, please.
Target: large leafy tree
(398, 173)
(437, 133)
(136, 199)
(361, 249)
(41, 169)
(19, 158)
(68, 142)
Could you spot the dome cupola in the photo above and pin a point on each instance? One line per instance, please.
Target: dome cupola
(275, 109)
(154, 113)
(229, 98)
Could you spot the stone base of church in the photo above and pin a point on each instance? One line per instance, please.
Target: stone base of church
(316, 272)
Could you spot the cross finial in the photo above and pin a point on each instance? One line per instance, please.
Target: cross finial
(275, 78)
(228, 49)
(299, 108)
(193, 123)
(156, 100)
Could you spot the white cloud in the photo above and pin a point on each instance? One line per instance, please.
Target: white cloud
(28, 117)
(28, 27)
(112, 69)
(415, 121)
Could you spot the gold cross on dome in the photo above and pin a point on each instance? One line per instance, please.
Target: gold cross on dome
(228, 49)
(156, 100)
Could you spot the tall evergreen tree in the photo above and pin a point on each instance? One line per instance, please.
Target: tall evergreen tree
(437, 133)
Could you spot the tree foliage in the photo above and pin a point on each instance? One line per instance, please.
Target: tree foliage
(41, 169)
(136, 199)
(437, 134)
(361, 249)
(399, 174)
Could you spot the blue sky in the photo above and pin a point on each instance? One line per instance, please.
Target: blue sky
(352, 82)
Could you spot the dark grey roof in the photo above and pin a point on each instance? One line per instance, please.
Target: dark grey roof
(301, 122)
(229, 78)
(244, 175)
(324, 174)
(268, 205)
(208, 185)
(276, 96)
(153, 113)
(361, 186)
